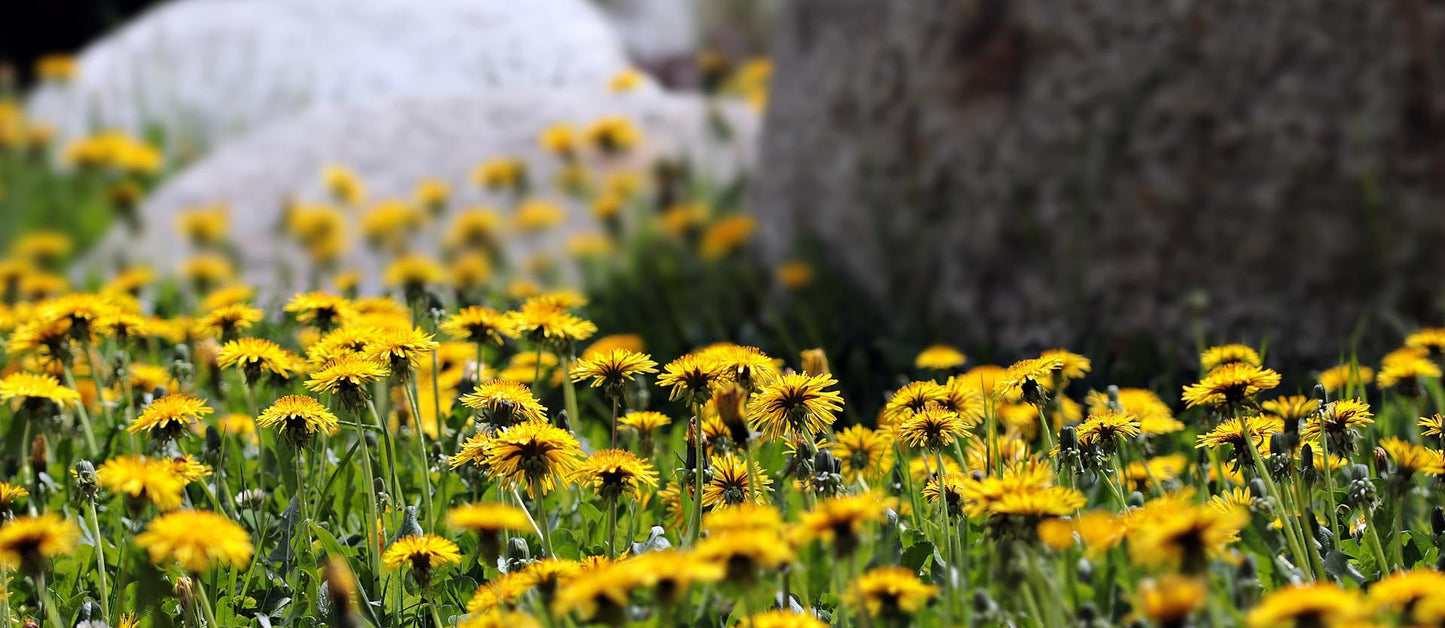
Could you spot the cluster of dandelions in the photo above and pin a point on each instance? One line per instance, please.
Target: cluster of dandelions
(463, 450)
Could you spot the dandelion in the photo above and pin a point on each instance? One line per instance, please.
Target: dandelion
(321, 310)
(1184, 535)
(298, 418)
(795, 407)
(692, 378)
(196, 540)
(348, 378)
(257, 357)
(1217, 356)
(744, 554)
(1405, 369)
(890, 593)
(840, 520)
(482, 325)
(1170, 600)
(1338, 421)
(939, 358)
(933, 428)
(614, 473)
(33, 391)
(422, 554)
(601, 596)
(1104, 428)
(142, 480)
(400, 350)
(1229, 385)
(503, 404)
(534, 454)
(1308, 605)
(228, 321)
(612, 370)
(1336, 378)
(28, 542)
(863, 453)
(732, 482)
(170, 416)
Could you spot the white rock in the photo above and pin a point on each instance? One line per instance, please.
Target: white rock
(655, 30)
(394, 146)
(203, 70)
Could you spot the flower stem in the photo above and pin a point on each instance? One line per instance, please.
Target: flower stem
(100, 562)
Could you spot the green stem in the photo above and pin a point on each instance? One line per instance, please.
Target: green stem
(83, 414)
(100, 562)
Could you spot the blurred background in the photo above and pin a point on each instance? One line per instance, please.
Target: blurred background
(1131, 179)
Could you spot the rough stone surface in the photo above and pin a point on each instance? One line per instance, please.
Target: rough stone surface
(208, 69)
(1095, 172)
(392, 147)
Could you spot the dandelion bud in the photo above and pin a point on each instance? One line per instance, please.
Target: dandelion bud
(729, 402)
(213, 440)
(30, 623)
(1257, 490)
(1136, 499)
(1068, 438)
(39, 455)
(1437, 521)
(518, 554)
(84, 474)
(185, 591)
(983, 604)
(1382, 461)
(815, 362)
(1277, 445)
(341, 589)
(1321, 394)
(1113, 392)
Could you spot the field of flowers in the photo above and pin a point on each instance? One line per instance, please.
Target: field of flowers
(479, 444)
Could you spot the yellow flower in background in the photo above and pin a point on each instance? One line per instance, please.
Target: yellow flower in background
(480, 325)
(1405, 368)
(489, 518)
(204, 226)
(1215, 357)
(626, 80)
(535, 215)
(1336, 378)
(58, 68)
(939, 358)
(413, 272)
(27, 542)
(30, 388)
(863, 452)
(613, 134)
(932, 428)
(1170, 600)
(560, 140)
(196, 540)
(343, 184)
(227, 321)
(501, 173)
(727, 235)
(10, 493)
(432, 194)
(1410, 458)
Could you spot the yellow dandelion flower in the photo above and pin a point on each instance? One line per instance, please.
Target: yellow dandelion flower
(27, 542)
(170, 416)
(196, 540)
(535, 455)
(795, 406)
(893, 593)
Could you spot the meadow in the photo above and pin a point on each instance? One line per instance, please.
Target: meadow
(478, 442)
